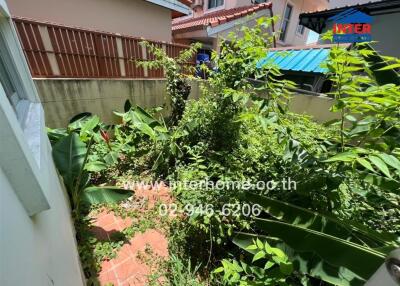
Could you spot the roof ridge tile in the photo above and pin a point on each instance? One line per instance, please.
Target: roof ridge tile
(217, 17)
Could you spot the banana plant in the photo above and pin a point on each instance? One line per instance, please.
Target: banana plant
(320, 245)
(165, 139)
(70, 154)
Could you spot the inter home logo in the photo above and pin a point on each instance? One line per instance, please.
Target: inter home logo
(351, 26)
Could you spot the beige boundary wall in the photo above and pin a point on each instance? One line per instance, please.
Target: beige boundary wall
(64, 98)
(128, 17)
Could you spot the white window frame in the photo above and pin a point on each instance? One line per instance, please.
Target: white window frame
(23, 140)
(300, 30)
(5, 77)
(216, 8)
(287, 20)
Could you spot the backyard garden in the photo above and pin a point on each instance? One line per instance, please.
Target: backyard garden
(251, 194)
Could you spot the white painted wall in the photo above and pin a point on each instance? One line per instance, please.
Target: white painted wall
(39, 250)
(37, 240)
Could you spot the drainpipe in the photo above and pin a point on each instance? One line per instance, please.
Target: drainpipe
(273, 24)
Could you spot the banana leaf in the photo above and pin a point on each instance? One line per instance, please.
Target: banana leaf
(305, 262)
(361, 260)
(101, 195)
(69, 155)
(326, 223)
(56, 135)
(140, 116)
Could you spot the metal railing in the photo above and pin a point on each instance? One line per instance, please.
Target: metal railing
(57, 51)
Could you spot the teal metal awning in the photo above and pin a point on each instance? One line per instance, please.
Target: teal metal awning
(302, 60)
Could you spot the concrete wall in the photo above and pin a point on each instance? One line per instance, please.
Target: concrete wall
(64, 98)
(316, 106)
(128, 17)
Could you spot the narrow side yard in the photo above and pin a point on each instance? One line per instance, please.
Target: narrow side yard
(132, 244)
(252, 194)
(141, 255)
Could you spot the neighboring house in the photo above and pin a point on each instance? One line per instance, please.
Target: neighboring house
(343, 3)
(150, 19)
(385, 15)
(37, 238)
(214, 19)
(291, 32)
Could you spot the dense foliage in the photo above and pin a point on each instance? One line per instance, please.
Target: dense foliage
(333, 226)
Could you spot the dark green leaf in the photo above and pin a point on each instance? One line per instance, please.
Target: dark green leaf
(349, 156)
(69, 154)
(101, 195)
(111, 158)
(323, 223)
(390, 160)
(331, 249)
(381, 165)
(306, 262)
(96, 166)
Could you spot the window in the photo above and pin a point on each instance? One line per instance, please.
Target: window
(300, 29)
(259, 1)
(23, 155)
(215, 3)
(285, 22)
(7, 85)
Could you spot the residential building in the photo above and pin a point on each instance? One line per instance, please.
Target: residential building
(291, 32)
(385, 14)
(214, 19)
(150, 19)
(343, 3)
(37, 238)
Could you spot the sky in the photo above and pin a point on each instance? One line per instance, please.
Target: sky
(312, 37)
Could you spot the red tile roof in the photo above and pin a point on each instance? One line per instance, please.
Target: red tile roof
(186, 2)
(216, 18)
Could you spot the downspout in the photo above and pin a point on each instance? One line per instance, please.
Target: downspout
(273, 24)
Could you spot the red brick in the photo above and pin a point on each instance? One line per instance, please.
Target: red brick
(104, 219)
(108, 277)
(122, 256)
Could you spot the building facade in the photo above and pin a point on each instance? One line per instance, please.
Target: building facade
(385, 15)
(342, 3)
(214, 19)
(291, 32)
(150, 19)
